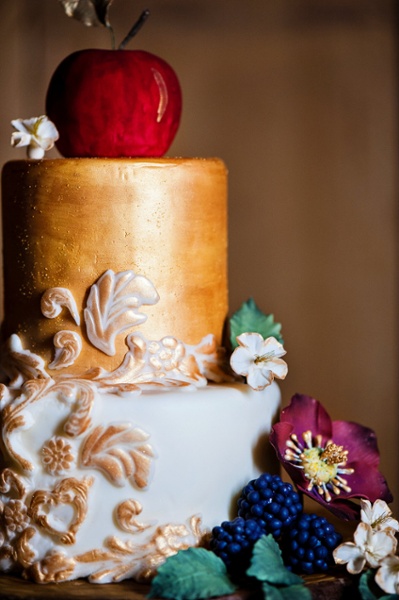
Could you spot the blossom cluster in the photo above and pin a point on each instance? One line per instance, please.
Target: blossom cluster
(374, 546)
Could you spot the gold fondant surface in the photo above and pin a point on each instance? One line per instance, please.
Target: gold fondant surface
(67, 221)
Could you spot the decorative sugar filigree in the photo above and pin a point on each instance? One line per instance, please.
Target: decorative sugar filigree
(15, 524)
(21, 365)
(70, 492)
(15, 417)
(126, 516)
(11, 483)
(121, 452)
(53, 568)
(24, 554)
(120, 560)
(80, 394)
(68, 346)
(57, 456)
(211, 360)
(55, 299)
(112, 307)
(166, 363)
(15, 515)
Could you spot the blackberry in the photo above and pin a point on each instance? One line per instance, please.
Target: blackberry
(271, 502)
(233, 542)
(307, 547)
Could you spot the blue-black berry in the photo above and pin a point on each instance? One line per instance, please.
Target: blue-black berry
(233, 542)
(307, 547)
(271, 502)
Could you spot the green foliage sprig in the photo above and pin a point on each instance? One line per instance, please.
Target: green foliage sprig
(249, 318)
(196, 573)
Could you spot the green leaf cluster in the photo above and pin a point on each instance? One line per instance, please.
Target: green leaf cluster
(249, 318)
(191, 575)
(267, 566)
(196, 573)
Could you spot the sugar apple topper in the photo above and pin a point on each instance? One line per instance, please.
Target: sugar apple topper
(112, 103)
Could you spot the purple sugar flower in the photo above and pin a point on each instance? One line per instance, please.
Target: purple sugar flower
(330, 461)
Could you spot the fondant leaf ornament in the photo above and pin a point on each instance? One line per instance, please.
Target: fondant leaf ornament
(112, 307)
(89, 12)
(121, 451)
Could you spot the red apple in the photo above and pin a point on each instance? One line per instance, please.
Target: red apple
(114, 103)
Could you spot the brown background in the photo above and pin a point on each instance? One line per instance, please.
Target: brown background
(300, 99)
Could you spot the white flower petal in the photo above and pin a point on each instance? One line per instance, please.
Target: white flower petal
(32, 123)
(258, 379)
(380, 517)
(387, 576)
(362, 534)
(252, 341)
(366, 511)
(350, 554)
(20, 139)
(279, 367)
(382, 544)
(241, 361)
(356, 565)
(272, 345)
(18, 124)
(380, 509)
(46, 129)
(391, 523)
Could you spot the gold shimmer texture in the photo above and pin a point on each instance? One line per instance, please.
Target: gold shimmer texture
(67, 221)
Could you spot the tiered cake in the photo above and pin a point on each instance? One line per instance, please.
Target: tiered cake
(124, 435)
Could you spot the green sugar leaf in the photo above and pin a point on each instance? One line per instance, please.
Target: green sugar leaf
(191, 575)
(291, 592)
(249, 318)
(267, 564)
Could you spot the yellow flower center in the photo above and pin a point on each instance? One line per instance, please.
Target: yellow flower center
(316, 469)
(322, 466)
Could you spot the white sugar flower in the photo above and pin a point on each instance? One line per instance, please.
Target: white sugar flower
(370, 547)
(378, 515)
(387, 576)
(258, 360)
(38, 134)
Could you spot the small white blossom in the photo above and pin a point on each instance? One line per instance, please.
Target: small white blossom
(369, 548)
(378, 515)
(38, 134)
(387, 576)
(258, 360)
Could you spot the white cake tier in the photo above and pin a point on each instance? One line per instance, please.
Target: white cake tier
(108, 485)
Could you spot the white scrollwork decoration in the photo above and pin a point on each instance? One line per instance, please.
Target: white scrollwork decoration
(112, 307)
(54, 299)
(68, 346)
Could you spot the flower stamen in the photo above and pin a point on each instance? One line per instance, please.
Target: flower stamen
(323, 465)
(264, 357)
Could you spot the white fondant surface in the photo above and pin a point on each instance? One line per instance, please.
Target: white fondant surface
(190, 453)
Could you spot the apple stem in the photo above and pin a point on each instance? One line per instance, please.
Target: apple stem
(112, 34)
(136, 27)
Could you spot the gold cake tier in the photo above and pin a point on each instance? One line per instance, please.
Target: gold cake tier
(68, 221)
